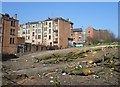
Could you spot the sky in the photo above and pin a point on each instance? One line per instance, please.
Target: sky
(99, 15)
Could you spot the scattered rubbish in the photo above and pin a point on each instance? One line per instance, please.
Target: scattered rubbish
(63, 74)
(33, 56)
(39, 75)
(93, 64)
(80, 66)
(37, 60)
(56, 70)
(95, 76)
(48, 74)
(51, 77)
(44, 64)
(51, 81)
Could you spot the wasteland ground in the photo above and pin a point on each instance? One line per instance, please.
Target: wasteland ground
(98, 65)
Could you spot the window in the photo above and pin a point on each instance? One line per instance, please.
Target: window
(39, 30)
(28, 37)
(13, 23)
(0, 39)
(0, 20)
(32, 40)
(56, 34)
(11, 40)
(88, 30)
(39, 36)
(12, 32)
(35, 36)
(56, 28)
(49, 31)
(79, 32)
(0, 29)
(50, 24)
(36, 30)
(45, 29)
(46, 23)
(23, 32)
(28, 31)
(45, 34)
(49, 37)
(79, 37)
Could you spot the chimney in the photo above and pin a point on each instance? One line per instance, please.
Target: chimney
(48, 17)
(15, 16)
(67, 19)
(7, 15)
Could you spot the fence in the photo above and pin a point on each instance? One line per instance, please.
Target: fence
(29, 48)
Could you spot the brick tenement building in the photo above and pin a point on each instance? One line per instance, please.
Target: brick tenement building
(100, 35)
(77, 35)
(9, 34)
(0, 33)
(52, 31)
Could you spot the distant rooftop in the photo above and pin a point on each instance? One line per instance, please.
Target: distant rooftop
(7, 16)
(77, 30)
(98, 29)
(48, 19)
(60, 18)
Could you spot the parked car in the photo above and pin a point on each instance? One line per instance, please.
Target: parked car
(79, 45)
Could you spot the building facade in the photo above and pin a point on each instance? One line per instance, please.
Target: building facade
(0, 33)
(77, 35)
(93, 35)
(8, 34)
(52, 31)
(32, 32)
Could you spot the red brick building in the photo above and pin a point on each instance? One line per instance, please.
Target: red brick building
(8, 34)
(93, 35)
(77, 35)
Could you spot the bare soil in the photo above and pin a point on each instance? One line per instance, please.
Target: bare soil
(73, 66)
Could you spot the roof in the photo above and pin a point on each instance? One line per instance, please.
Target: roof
(7, 17)
(77, 30)
(49, 19)
(34, 22)
(60, 18)
(97, 29)
(30, 23)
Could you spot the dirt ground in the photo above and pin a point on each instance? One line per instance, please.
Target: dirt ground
(73, 66)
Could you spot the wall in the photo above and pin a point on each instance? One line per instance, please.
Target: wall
(63, 33)
(7, 47)
(76, 36)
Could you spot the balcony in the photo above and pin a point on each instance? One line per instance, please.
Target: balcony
(55, 41)
(55, 30)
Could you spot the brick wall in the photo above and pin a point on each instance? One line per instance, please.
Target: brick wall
(7, 47)
(63, 33)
